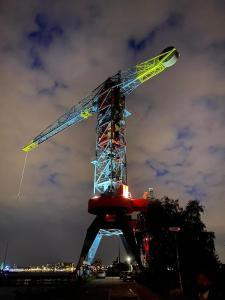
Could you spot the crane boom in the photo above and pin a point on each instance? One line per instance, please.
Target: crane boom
(83, 110)
(130, 80)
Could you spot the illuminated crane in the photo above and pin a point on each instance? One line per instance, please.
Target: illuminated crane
(112, 201)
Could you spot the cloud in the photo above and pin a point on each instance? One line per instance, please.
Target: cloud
(159, 168)
(54, 55)
(184, 133)
(173, 21)
(35, 60)
(217, 150)
(52, 90)
(46, 32)
(195, 191)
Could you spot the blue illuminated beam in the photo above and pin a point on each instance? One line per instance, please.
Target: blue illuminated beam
(97, 240)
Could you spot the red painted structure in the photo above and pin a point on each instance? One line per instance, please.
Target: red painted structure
(111, 203)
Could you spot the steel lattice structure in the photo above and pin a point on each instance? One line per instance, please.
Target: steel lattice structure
(110, 163)
(94, 247)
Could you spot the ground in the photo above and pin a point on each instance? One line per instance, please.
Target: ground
(110, 288)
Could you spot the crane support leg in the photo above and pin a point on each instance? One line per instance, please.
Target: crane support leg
(91, 235)
(129, 242)
(99, 228)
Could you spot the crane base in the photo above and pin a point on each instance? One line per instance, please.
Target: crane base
(120, 224)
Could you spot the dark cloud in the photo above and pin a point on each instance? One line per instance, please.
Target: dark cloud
(184, 133)
(52, 90)
(195, 192)
(217, 150)
(35, 60)
(159, 168)
(136, 46)
(46, 32)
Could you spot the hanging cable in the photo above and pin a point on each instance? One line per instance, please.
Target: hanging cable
(21, 179)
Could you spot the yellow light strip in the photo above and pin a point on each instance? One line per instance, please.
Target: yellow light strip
(152, 67)
(32, 145)
(85, 113)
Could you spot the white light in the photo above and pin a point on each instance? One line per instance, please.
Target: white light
(125, 191)
(174, 229)
(128, 259)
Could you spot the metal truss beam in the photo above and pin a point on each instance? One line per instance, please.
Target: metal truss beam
(100, 228)
(110, 163)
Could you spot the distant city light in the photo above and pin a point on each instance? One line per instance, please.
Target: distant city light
(58, 267)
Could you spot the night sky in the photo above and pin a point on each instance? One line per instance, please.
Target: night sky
(52, 54)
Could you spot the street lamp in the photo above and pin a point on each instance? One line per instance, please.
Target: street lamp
(129, 260)
(176, 230)
(118, 249)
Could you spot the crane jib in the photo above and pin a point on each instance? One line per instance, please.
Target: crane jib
(130, 80)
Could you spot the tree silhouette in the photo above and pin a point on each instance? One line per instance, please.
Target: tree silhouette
(195, 245)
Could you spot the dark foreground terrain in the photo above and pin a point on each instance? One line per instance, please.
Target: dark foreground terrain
(110, 288)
